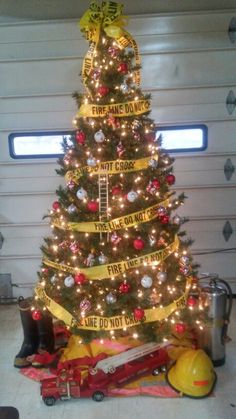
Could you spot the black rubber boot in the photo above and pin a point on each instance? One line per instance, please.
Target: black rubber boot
(46, 334)
(30, 331)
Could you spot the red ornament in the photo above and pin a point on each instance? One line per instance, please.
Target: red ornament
(138, 313)
(103, 90)
(123, 68)
(116, 190)
(180, 328)
(170, 179)
(93, 206)
(138, 244)
(36, 315)
(191, 301)
(164, 219)
(124, 288)
(80, 137)
(56, 205)
(45, 271)
(80, 278)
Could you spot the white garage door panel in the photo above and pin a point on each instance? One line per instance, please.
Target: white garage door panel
(40, 77)
(25, 208)
(169, 115)
(172, 70)
(162, 115)
(148, 44)
(12, 105)
(28, 121)
(43, 49)
(65, 102)
(43, 31)
(189, 69)
(42, 168)
(194, 171)
(25, 231)
(190, 113)
(22, 246)
(206, 202)
(208, 234)
(32, 184)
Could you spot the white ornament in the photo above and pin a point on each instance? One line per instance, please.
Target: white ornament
(81, 194)
(146, 281)
(69, 281)
(162, 276)
(132, 196)
(91, 161)
(99, 136)
(153, 163)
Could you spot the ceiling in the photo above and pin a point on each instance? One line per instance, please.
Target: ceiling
(21, 10)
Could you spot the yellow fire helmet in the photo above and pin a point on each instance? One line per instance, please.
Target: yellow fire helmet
(193, 374)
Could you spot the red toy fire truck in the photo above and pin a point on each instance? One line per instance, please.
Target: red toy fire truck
(114, 370)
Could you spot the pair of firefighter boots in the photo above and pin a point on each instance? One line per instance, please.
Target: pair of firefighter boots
(38, 335)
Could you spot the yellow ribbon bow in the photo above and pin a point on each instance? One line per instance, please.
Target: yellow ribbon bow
(108, 17)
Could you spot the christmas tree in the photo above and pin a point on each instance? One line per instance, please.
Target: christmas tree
(117, 263)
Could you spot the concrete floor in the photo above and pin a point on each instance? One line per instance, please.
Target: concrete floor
(23, 393)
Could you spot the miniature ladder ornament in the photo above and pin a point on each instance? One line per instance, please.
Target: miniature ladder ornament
(103, 198)
(110, 364)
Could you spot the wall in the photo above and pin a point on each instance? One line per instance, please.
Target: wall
(188, 66)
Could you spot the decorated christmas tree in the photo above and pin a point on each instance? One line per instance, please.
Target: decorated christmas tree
(117, 262)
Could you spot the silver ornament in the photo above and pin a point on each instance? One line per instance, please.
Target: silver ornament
(72, 209)
(162, 276)
(176, 219)
(91, 161)
(152, 240)
(124, 88)
(146, 281)
(132, 196)
(69, 281)
(102, 259)
(99, 136)
(53, 279)
(153, 163)
(111, 298)
(81, 194)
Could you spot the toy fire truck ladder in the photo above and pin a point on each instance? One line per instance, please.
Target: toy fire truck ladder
(103, 198)
(110, 364)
